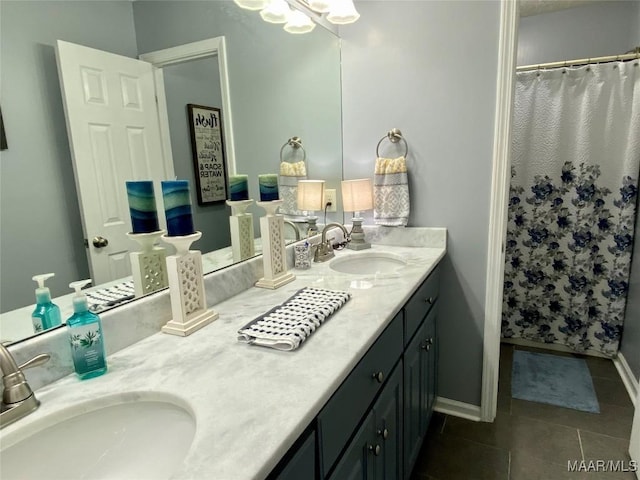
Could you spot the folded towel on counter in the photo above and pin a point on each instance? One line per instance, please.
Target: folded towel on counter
(391, 192)
(286, 326)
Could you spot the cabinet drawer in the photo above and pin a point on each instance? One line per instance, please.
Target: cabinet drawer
(420, 303)
(340, 416)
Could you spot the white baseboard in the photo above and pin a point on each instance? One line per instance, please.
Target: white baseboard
(628, 378)
(457, 409)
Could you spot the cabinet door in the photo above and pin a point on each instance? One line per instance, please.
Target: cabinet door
(357, 462)
(388, 425)
(303, 463)
(432, 358)
(413, 401)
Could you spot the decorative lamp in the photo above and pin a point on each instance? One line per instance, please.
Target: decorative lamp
(277, 11)
(251, 4)
(299, 23)
(311, 198)
(343, 13)
(357, 196)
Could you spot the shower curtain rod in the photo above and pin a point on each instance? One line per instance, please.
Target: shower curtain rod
(582, 61)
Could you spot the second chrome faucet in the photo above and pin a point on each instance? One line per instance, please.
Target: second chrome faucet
(324, 251)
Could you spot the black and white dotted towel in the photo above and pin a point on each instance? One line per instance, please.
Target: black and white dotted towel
(100, 300)
(286, 326)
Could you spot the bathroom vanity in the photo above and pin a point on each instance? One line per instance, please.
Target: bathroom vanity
(353, 401)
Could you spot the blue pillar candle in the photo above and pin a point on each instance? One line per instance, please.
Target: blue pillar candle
(268, 184)
(177, 207)
(238, 187)
(142, 206)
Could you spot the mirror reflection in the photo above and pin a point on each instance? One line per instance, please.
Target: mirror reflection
(280, 85)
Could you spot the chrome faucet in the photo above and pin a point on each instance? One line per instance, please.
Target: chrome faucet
(18, 400)
(295, 228)
(324, 251)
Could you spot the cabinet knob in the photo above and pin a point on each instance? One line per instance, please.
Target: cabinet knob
(375, 449)
(378, 376)
(426, 346)
(384, 433)
(429, 300)
(430, 340)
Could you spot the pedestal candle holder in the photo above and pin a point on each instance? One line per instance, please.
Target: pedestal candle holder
(186, 287)
(274, 256)
(241, 226)
(148, 266)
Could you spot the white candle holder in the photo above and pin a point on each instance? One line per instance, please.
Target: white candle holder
(186, 287)
(241, 226)
(274, 256)
(148, 266)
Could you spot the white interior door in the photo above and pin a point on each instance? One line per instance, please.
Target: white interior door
(115, 136)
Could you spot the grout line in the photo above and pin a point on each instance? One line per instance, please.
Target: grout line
(580, 442)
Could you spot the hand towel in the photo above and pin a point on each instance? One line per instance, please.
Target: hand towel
(391, 192)
(290, 173)
(286, 326)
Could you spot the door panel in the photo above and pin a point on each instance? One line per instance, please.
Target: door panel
(115, 135)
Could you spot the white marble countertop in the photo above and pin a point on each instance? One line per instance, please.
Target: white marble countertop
(250, 403)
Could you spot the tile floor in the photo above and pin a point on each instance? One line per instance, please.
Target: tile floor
(532, 441)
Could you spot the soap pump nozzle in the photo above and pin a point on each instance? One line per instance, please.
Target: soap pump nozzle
(80, 302)
(43, 294)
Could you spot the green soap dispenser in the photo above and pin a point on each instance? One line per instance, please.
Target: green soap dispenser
(46, 314)
(85, 336)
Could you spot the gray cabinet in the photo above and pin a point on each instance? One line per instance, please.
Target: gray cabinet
(302, 464)
(374, 424)
(420, 366)
(375, 453)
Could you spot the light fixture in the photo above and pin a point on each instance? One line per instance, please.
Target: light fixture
(277, 11)
(357, 196)
(343, 12)
(310, 199)
(321, 6)
(299, 23)
(252, 4)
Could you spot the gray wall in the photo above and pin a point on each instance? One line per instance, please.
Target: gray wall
(591, 31)
(409, 65)
(40, 229)
(281, 85)
(197, 82)
(601, 29)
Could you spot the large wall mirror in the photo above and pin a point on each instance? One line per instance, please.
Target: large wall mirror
(280, 86)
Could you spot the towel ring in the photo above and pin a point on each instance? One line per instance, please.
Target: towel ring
(295, 143)
(394, 135)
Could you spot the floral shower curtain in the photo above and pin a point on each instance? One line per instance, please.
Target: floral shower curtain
(572, 207)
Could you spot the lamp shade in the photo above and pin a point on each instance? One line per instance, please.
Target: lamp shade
(357, 195)
(311, 195)
(251, 4)
(321, 6)
(343, 12)
(299, 23)
(277, 11)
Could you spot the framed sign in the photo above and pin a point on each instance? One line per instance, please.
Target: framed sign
(207, 146)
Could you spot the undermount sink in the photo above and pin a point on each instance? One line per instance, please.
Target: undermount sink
(368, 263)
(118, 437)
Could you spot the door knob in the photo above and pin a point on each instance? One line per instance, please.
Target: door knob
(100, 242)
